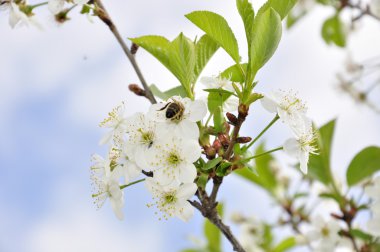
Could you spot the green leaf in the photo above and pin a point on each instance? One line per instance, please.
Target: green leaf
(218, 120)
(158, 46)
(319, 165)
(293, 18)
(285, 244)
(212, 233)
(204, 50)
(248, 15)
(202, 180)
(212, 163)
(333, 31)
(179, 90)
(265, 40)
(235, 73)
(182, 60)
(360, 234)
(282, 7)
(363, 165)
(215, 100)
(218, 29)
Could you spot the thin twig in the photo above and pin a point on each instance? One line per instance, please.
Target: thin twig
(103, 15)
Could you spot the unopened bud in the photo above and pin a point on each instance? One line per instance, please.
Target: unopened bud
(243, 140)
(136, 89)
(231, 118)
(217, 145)
(243, 110)
(224, 140)
(134, 48)
(227, 127)
(210, 152)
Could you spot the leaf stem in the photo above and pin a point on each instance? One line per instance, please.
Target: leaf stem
(38, 5)
(263, 131)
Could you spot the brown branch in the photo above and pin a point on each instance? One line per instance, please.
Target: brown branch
(103, 15)
(363, 11)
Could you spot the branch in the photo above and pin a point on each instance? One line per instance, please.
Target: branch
(363, 11)
(103, 15)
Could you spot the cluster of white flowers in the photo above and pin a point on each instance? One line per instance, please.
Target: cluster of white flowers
(375, 7)
(373, 191)
(163, 142)
(292, 111)
(251, 232)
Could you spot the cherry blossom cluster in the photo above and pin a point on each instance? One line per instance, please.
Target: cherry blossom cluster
(163, 144)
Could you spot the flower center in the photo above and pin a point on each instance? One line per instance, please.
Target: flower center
(169, 199)
(147, 137)
(173, 158)
(325, 232)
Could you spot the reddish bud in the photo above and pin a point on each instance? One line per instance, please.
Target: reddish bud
(243, 140)
(217, 145)
(210, 152)
(136, 89)
(224, 140)
(227, 127)
(134, 48)
(232, 118)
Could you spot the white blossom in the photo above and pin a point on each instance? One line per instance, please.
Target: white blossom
(56, 6)
(127, 165)
(172, 161)
(142, 137)
(218, 82)
(106, 185)
(324, 234)
(302, 145)
(290, 109)
(81, 2)
(18, 17)
(183, 124)
(117, 123)
(172, 202)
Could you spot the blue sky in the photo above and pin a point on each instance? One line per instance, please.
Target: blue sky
(57, 85)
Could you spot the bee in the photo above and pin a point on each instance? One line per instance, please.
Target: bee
(174, 110)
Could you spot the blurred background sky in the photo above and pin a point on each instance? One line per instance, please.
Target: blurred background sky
(56, 85)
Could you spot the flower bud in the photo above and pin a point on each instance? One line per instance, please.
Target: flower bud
(136, 89)
(226, 127)
(231, 118)
(217, 145)
(224, 140)
(210, 152)
(243, 140)
(134, 48)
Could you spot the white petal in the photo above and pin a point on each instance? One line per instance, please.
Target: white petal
(191, 150)
(156, 113)
(231, 104)
(209, 82)
(269, 104)
(197, 110)
(187, 173)
(374, 226)
(152, 186)
(117, 208)
(186, 191)
(292, 147)
(164, 179)
(187, 129)
(185, 212)
(81, 1)
(304, 159)
(56, 6)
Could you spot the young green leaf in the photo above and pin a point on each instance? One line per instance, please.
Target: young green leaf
(218, 29)
(282, 7)
(202, 180)
(215, 100)
(235, 73)
(218, 119)
(182, 60)
(179, 90)
(248, 15)
(363, 165)
(285, 244)
(319, 165)
(333, 31)
(212, 163)
(265, 40)
(204, 50)
(158, 46)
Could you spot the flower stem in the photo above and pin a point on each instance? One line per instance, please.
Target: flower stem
(263, 131)
(38, 5)
(262, 154)
(132, 183)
